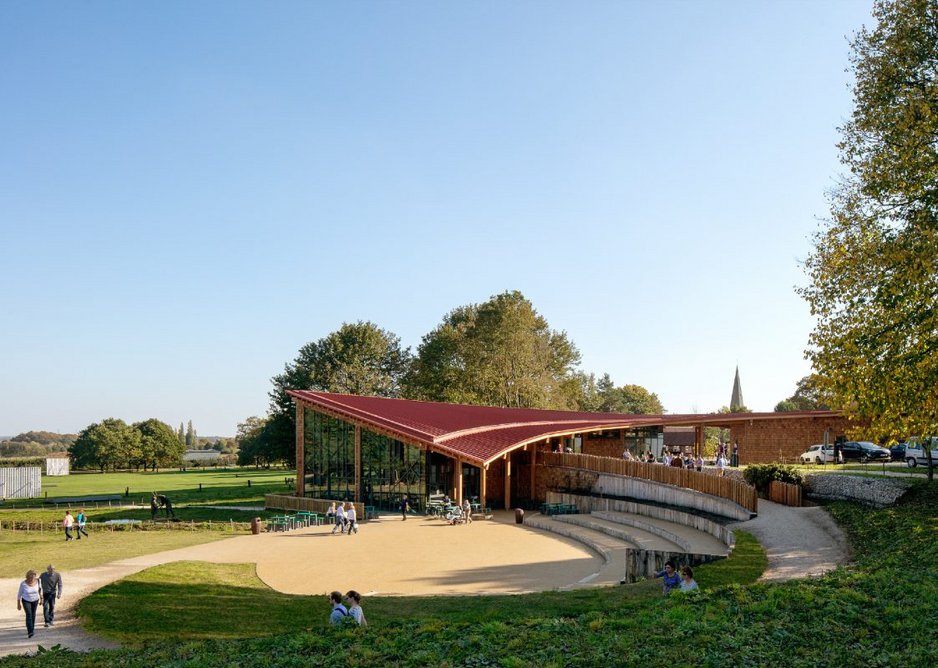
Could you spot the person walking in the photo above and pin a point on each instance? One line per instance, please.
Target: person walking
(354, 601)
(351, 519)
(81, 519)
(405, 506)
(51, 584)
(467, 511)
(27, 599)
(339, 611)
(68, 523)
(339, 519)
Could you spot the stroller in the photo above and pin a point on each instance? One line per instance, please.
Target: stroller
(455, 515)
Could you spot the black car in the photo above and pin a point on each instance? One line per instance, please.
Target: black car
(897, 452)
(863, 451)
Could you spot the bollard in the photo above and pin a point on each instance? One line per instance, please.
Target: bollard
(249, 483)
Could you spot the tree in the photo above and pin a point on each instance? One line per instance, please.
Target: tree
(181, 435)
(254, 446)
(192, 440)
(108, 444)
(159, 444)
(499, 353)
(874, 268)
(807, 397)
(358, 358)
(633, 399)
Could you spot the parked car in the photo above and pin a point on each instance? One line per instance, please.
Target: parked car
(817, 454)
(897, 452)
(863, 451)
(915, 451)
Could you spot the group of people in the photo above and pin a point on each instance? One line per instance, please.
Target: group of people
(344, 516)
(672, 580)
(351, 609)
(77, 523)
(45, 589)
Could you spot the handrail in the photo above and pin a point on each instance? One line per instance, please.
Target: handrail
(738, 491)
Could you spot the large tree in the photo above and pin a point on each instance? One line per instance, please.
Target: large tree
(807, 397)
(633, 399)
(159, 444)
(499, 353)
(358, 358)
(874, 269)
(108, 444)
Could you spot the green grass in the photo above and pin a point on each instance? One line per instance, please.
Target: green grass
(880, 611)
(228, 485)
(229, 601)
(20, 550)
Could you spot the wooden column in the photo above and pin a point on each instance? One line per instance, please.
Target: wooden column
(358, 463)
(482, 472)
(300, 450)
(457, 492)
(533, 470)
(699, 439)
(508, 482)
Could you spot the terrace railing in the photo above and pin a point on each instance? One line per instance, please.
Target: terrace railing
(738, 491)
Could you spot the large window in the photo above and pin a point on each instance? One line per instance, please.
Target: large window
(390, 470)
(329, 459)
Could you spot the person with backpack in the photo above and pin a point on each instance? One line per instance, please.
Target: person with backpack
(81, 519)
(339, 611)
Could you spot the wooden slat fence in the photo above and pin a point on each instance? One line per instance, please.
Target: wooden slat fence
(737, 491)
(785, 493)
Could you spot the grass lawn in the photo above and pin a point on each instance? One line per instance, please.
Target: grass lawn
(20, 551)
(229, 601)
(230, 485)
(880, 611)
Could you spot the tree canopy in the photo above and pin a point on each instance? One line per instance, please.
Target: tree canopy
(807, 397)
(499, 353)
(158, 444)
(606, 397)
(111, 443)
(874, 268)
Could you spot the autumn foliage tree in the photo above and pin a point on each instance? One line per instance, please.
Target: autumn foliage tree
(874, 269)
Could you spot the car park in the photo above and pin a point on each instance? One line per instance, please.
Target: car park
(817, 454)
(863, 451)
(916, 454)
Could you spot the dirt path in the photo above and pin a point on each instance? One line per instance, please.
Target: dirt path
(417, 557)
(799, 542)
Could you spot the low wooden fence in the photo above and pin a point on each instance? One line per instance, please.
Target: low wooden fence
(785, 493)
(738, 491)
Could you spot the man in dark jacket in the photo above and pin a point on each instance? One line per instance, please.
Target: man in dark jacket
(51, 584)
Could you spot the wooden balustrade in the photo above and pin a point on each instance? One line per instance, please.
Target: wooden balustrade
(785, 493)
(738, 491)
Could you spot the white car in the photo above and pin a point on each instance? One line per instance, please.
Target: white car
(915, 451)
(817, 454)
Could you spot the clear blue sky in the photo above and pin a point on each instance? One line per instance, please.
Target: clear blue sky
(190, 191)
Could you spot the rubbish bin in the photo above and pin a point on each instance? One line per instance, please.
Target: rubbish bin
(519, 516)
(734, 460)
(256, 525)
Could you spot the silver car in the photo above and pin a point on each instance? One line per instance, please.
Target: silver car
(915, 453)
(817, 454)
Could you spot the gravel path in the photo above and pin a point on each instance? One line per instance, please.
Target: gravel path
(799, 542)
(487, 556)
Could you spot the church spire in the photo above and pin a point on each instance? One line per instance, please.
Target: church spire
(736, 401)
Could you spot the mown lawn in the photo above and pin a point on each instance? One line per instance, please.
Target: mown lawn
(20, 551)
(881, 611)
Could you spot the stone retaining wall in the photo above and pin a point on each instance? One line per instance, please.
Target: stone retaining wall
(876, 492)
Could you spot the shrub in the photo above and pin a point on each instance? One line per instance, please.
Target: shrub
(760, 475)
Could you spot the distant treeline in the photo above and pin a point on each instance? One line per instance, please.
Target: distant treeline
(36, 444)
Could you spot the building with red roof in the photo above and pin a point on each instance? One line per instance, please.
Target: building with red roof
(376, 450)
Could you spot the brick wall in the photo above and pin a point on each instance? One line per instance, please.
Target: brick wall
(764, 441)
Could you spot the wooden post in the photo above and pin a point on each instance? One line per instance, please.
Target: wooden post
(300, 450)
(482, 472)
(508, 481)
(358, 463)
(533, 469)
(457, 493)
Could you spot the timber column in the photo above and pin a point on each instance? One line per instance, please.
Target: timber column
(300, 450)
(508, 481)
(358, 463)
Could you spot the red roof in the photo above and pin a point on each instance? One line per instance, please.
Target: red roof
(480, 434)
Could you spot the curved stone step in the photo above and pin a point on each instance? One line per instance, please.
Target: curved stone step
(639, 536)
(687, 538)
(614, 551)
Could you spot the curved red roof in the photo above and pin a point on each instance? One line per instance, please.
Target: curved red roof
(480, 434)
